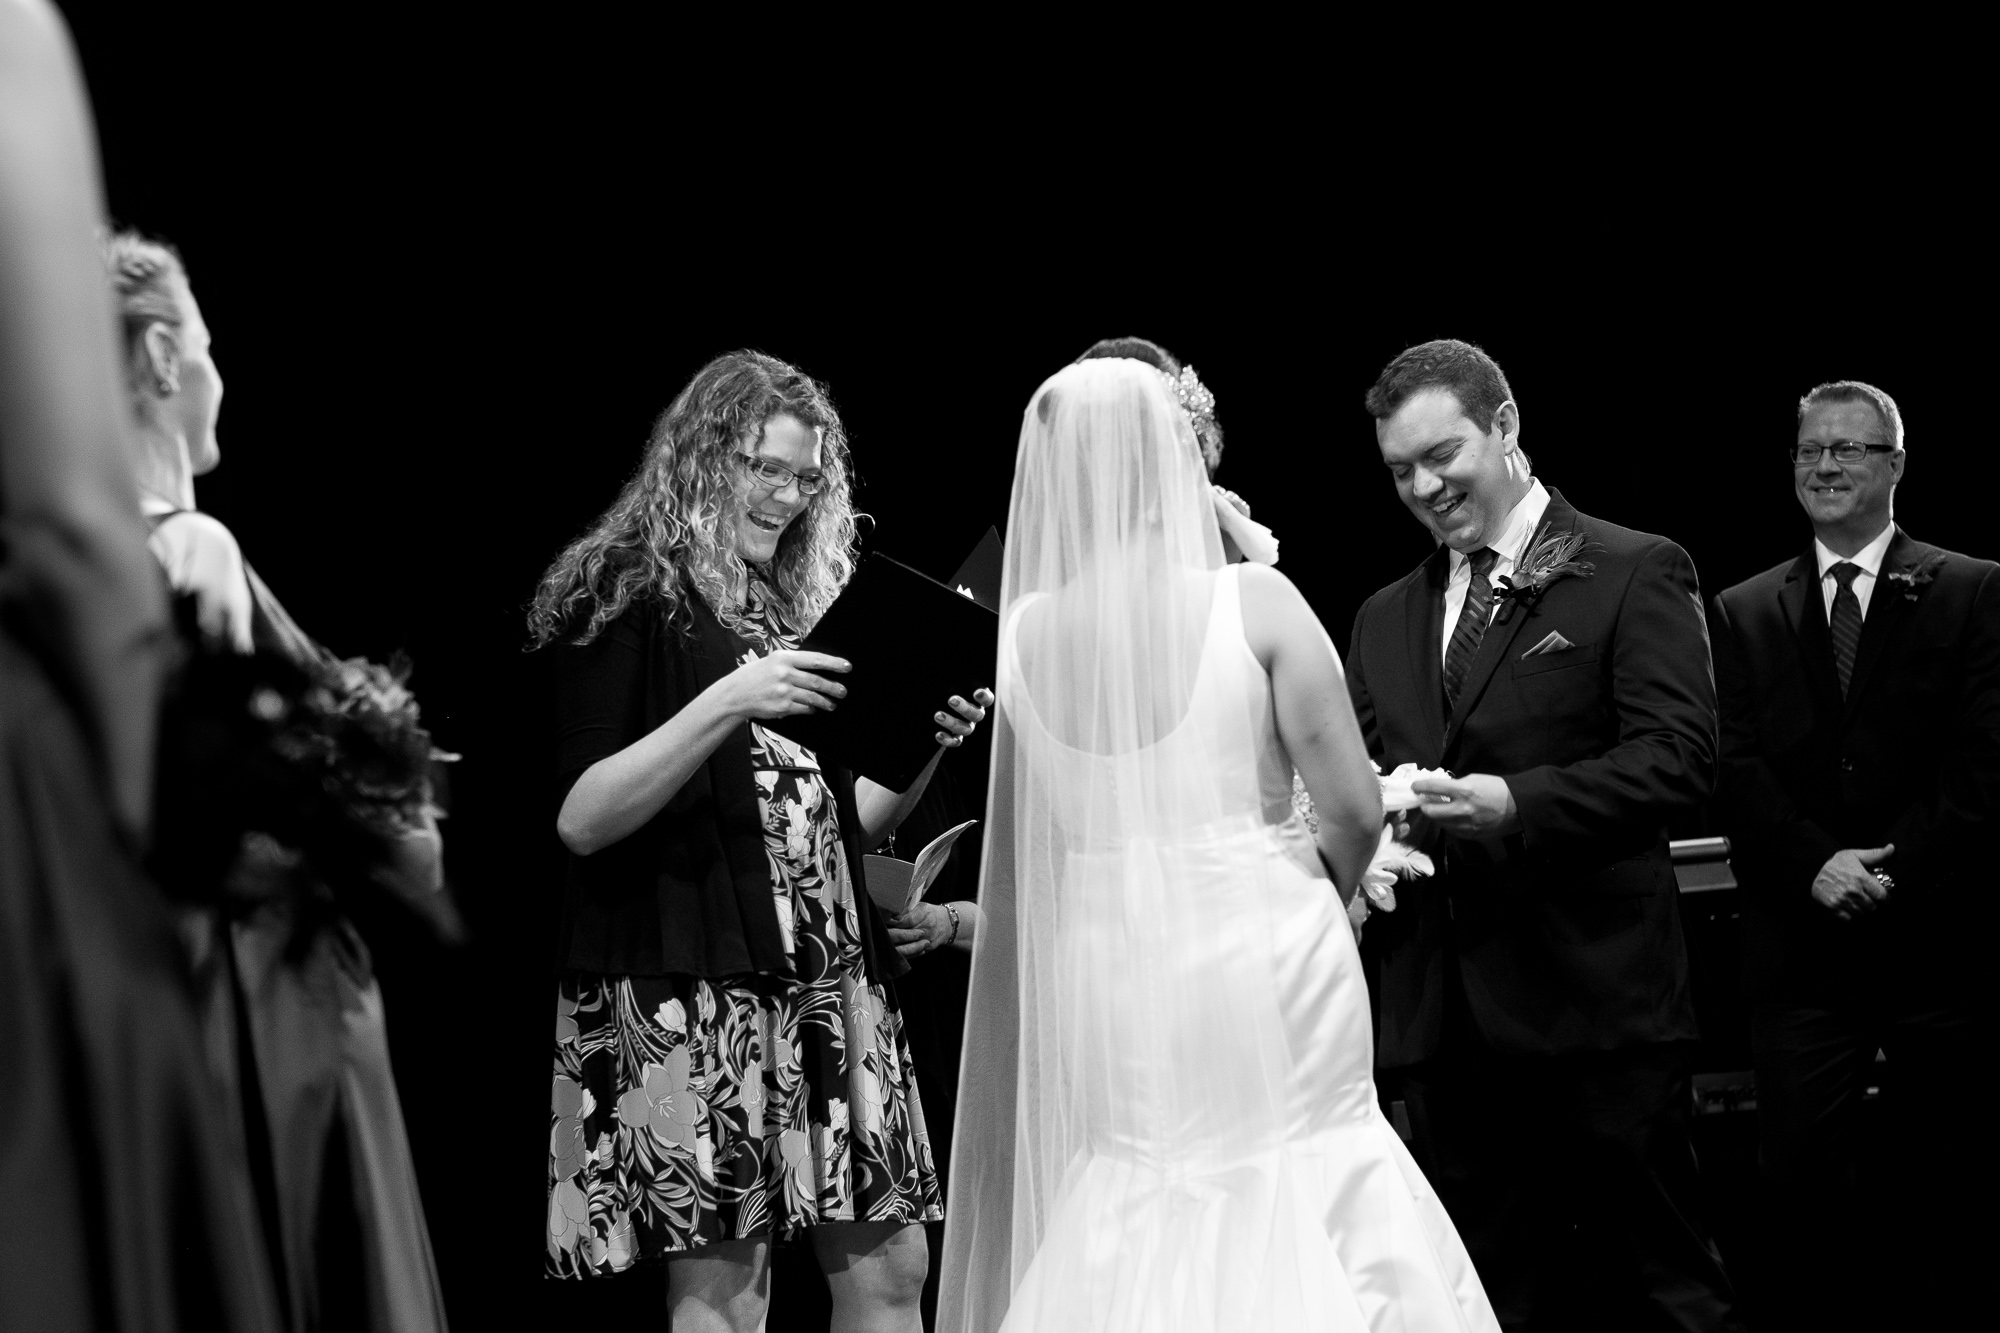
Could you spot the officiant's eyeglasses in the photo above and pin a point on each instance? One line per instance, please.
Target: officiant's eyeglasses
(1844, 451)
(770, 472)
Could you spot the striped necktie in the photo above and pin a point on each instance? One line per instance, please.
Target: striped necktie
(1845, 624)
(1471, 627)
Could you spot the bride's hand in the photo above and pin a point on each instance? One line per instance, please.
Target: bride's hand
(969, 716)
(1357, 913)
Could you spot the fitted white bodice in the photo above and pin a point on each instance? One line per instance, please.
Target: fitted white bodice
(1202, 1054)
(1222, 764)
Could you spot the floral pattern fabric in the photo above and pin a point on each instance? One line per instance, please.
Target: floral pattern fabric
(686, 1111)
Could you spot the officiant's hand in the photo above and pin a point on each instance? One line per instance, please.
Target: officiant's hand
(969, 716)
(1846, 885)
(1478, 805)
(925, 927)
(786, 683)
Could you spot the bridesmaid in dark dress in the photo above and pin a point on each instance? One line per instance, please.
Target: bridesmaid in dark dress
(126, 1205)
(293, 1014)
(730, 1067)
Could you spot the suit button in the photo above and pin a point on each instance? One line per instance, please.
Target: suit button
(1846, 765)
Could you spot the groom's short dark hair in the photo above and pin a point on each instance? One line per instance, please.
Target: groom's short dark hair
(1473, 377)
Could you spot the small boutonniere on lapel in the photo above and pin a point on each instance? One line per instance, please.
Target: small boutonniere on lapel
(1917, 575)
(1550, 556)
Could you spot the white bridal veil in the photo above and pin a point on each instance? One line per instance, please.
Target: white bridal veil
(1125, 1071)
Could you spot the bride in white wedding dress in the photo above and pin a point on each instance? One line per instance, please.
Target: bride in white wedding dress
(1166, 1114)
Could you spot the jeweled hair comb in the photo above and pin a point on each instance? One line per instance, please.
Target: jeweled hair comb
(1199, 402)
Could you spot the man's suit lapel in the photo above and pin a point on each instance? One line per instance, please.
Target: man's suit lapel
(1805, 611)
(1888, 608)
(1558, 517)
(1423, 611)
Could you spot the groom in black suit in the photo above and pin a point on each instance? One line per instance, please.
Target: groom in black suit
(1860, 785)
(1533, 997)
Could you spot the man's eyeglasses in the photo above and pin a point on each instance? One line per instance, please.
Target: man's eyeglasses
(1843, 451)
(770, 473)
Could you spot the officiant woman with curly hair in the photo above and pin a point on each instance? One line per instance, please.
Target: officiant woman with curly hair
(730, 1066)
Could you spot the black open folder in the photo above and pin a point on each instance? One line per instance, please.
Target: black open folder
(913, 643)
(979, 577)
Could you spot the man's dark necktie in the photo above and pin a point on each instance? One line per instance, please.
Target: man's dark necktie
(1845, 624)
(1471, 627)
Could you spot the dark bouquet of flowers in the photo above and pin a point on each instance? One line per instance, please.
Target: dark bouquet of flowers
(296, 779)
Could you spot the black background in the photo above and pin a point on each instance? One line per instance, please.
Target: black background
(453, 275)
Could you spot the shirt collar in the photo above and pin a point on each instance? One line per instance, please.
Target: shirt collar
(152, 506)
(1868, 557)
(1520, 525)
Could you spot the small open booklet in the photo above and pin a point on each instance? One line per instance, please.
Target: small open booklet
(896, 885)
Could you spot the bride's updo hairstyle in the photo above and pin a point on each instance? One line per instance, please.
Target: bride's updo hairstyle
(1132, 349)
(1101, 453)
(1208, 429)
(665, 532)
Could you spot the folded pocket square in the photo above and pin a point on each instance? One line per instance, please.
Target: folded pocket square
(1554, 643)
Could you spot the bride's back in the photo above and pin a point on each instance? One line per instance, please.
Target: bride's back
(1194, 751)
(1074, 643)
(1123, 1009)
(1129, 693)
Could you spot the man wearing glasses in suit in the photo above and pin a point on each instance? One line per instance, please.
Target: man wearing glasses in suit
(1859, 690)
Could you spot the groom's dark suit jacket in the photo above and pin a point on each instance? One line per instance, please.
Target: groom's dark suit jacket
(1567, 935)
(1911, 756)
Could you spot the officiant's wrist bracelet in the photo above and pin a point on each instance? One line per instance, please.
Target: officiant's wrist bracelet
(954, 925)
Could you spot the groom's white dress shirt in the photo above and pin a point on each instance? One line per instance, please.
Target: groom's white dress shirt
(1509, 545)
(1868, 557)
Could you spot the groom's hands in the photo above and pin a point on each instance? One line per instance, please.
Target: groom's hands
(1847, 884)
(1477, 805)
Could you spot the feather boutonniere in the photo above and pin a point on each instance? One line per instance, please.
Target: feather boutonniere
(1917, 575)
(1550, 556)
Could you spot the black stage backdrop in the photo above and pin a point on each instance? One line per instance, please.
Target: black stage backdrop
(450, 291)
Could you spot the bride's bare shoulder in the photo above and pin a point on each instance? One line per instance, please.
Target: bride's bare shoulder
(1275, 614)
(1268, 593)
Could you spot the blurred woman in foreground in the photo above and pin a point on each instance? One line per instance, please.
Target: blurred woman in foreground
(127, 1204)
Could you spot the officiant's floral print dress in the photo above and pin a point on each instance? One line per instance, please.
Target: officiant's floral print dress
(687, 1111)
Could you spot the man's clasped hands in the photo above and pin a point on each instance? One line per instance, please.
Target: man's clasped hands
(1479, 805)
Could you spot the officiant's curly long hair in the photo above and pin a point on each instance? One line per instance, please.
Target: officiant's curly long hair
(665, 531)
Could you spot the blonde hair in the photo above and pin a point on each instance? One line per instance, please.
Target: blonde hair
(663, 534)
(1857, 391)
(143, 275)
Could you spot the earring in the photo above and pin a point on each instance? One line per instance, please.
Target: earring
(166, 388)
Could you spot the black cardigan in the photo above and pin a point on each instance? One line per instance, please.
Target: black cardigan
(689, 893)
